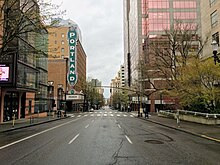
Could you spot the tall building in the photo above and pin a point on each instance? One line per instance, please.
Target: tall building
(63, 61)
(98, 84)
(144, 22)
(118, 82)
(22, 59)
(121, 75)
(210, 14)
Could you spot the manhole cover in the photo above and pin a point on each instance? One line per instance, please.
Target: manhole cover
(154, 141)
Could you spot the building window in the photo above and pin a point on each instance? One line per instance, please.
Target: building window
(62, 35)
(216, 37)
(212, 2)
(159, 4)
(55, 41)
(62, 42)
(62, 49)
(214, 18)
(184, 4)
(185, 15)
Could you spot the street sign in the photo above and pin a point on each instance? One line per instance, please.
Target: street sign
(74, 97)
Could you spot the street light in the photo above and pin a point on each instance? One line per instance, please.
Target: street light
(50, 92)
(215, 51)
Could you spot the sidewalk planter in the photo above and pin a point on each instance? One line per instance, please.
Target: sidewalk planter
(207, 119)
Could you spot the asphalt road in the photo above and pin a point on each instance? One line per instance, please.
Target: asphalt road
(105, 137)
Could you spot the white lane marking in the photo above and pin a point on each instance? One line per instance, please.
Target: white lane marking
(105, 115)
(39, 133)
(112, 115)
(118, 115)
(73, 116)
(128, 139)
(125, 115)
(87, 126)
(92, 115)
(73, 139)
(79, 116)
(98, 115)
(85, 115)
(119, 126)
(131, 116)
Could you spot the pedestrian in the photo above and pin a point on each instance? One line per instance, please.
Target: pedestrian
(146, 112)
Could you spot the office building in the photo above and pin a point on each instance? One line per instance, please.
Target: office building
(145, 21)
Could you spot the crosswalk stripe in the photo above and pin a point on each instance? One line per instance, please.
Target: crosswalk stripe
(102, 114)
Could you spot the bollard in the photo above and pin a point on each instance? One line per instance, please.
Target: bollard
(13, 122)
(178, 118)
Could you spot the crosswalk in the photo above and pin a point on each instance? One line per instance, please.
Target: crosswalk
(101, 114)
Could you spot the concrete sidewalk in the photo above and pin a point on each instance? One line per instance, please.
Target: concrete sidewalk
(211, 132)
(23, 123)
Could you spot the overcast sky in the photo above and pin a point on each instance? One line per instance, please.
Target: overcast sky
(101, 23)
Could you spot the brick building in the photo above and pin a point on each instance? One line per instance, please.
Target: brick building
(58, 67)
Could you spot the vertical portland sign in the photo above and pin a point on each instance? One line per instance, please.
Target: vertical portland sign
(72, 73)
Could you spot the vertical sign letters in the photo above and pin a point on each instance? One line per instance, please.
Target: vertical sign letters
(72, 39)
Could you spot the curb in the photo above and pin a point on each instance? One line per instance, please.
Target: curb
(182, 130)
(30, 125)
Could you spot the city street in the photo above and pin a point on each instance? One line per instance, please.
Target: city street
(104, 137)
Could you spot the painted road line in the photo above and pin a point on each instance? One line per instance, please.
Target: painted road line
(131, 116)
(118, 115)
(128, 139)
(87, 126)
(85, 115)
(210, 138)
(119, 126)
(92, 115)
(79, 116)
(73, 139)
(105, 115)
(125, 115)
(111, 115)
(98, 115)
(39, 133)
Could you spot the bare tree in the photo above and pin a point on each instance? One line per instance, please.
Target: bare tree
(23, 20)
(169, 52)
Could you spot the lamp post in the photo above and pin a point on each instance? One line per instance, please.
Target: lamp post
(66, 82)
(50, 92)
(215, 51)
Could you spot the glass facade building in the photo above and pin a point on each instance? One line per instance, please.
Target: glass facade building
(147, 20)
(24, 53)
